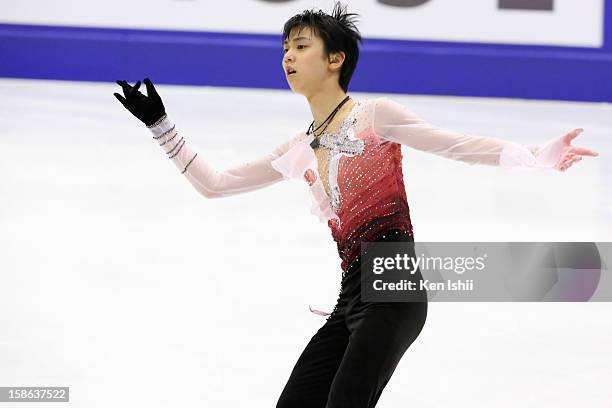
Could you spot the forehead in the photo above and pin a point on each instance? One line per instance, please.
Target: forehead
(300, 33)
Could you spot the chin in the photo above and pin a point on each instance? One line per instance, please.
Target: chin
(296, 91)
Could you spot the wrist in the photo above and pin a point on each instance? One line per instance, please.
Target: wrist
(549, 154)
(162, 127)
(154, 123)
(516, 155)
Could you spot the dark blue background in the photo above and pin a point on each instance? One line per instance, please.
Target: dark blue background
(247, 60)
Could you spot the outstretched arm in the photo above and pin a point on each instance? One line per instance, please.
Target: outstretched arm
(211, 183)
(397, 123)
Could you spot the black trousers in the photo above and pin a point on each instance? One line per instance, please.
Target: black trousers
(350, 359)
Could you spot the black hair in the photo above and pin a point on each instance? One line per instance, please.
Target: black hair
(338, 32)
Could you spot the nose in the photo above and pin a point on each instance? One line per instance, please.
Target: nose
(288, 57)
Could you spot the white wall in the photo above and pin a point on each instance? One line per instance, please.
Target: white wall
(572, 23)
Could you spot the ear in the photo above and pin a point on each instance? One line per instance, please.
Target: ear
(335, 60)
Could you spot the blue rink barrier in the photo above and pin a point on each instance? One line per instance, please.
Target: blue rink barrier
(254, 61)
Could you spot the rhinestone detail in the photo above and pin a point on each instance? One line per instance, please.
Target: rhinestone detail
(342, 143)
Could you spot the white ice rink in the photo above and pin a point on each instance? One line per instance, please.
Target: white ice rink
(120, 281)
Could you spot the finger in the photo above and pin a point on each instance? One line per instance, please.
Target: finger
(124, 86)
(125, 83)
(584, 152)
(134, 89)
(572, 135)
(139, 94)
(567, 157)
(121, 99)
(565, 164)
(151, 91)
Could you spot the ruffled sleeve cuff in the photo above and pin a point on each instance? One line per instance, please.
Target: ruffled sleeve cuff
(514, 155)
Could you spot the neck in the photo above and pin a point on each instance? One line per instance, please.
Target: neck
(324, 102)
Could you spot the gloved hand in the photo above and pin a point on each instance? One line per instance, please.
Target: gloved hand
(149, 109)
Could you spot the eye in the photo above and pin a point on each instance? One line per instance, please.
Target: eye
(299, 47)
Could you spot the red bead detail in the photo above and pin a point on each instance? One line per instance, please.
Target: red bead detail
(310, 177)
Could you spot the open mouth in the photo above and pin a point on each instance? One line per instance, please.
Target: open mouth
(290, 72)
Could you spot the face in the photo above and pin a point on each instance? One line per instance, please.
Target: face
(304, 53)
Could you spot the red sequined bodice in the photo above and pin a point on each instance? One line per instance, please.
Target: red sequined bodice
(372, 196)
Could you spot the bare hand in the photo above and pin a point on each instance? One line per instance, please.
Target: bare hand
(572, 154)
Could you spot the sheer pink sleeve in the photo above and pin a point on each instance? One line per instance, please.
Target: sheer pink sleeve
(209, 182)
(396, 123)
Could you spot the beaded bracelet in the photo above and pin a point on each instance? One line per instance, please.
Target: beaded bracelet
(165, 133)
(185, 169)
(160, 120)
(179, 149)
(174, 147)
(161, 144)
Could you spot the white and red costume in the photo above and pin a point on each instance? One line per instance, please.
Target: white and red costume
(365, 194)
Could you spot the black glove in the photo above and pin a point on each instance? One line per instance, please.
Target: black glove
(149, 109)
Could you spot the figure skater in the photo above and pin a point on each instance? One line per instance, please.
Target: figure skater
(350, 157)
